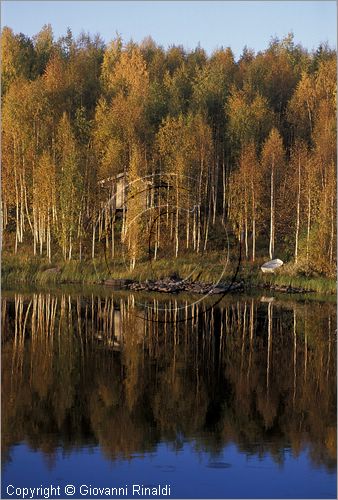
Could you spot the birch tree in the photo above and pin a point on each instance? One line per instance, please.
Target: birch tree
(272, 161)
(70, 186)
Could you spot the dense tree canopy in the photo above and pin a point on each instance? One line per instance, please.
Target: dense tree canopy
(250, 143)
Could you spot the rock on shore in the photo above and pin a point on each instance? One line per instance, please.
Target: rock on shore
(176, 285)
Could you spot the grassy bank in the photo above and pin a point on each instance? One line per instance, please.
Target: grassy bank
(208, 268)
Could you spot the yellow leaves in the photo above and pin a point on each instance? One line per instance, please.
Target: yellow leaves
(129, 75)
(245, 188)
(249, 117)
(136, 205)
(324, 134)
(273, 150)
(109, 146)
(249, 165)
(224, 57)
(326, 79)
(302, 105)
(70, 189)
(9, 53)
(304, 109)
(211, 83)
(102, 125)
(112, 160)
(306, 90)
(55, 76)
(17, 107)
(236, 201)
(143, 86)
(259, 109)
(44, 183)
(168, 130)
(16, 54)
(185, 138)
(127, 83)
(65, 138)
(110, 59)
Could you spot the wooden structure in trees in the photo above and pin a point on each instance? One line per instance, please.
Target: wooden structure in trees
(119, 188)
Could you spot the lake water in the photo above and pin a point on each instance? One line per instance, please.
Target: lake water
(109, 392)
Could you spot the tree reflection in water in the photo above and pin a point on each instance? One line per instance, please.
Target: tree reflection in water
(87, 370)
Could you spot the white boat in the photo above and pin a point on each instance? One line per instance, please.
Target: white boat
(271, 266)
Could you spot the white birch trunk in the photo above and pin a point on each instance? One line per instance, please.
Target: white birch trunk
(93, 241)
(253, 201)
(272, 215)
(298, 214)
(308, 226)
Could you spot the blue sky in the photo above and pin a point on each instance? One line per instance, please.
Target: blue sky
(210, 23)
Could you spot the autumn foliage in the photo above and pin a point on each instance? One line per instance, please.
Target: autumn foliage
(249, 144)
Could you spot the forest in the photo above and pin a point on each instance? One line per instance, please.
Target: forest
(203, 145)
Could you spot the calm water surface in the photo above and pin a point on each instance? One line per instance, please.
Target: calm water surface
(111, 390)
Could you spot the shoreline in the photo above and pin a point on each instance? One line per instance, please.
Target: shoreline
(175, 285)
(165, 277)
